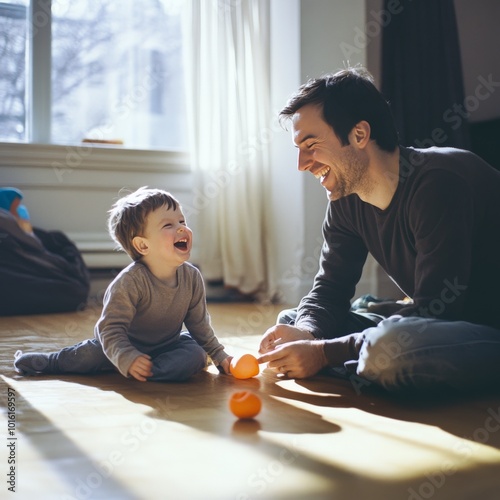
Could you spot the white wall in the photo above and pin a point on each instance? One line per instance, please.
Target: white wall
(332, 37)
(308, 38)
(287, 194)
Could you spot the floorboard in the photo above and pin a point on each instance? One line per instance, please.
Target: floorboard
(106, 437)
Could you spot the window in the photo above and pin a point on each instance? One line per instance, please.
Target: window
(110, 71)
(13, 97)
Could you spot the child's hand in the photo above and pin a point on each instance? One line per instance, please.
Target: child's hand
(140, 369)
(225, 365)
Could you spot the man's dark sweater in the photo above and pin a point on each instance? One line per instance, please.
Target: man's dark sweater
(439, 240)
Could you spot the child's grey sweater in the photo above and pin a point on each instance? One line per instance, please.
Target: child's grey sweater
(143, 315)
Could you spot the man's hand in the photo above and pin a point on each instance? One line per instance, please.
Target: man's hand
(140, 369)
(298, 359)
(281, 334)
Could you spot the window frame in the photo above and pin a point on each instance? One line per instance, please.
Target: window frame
(38, 143)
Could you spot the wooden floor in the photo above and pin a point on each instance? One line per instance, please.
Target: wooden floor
(106, 437)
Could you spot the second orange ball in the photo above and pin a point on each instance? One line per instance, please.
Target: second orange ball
(245, 404)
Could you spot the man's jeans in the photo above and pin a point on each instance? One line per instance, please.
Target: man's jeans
(176, 363)
(405, 353)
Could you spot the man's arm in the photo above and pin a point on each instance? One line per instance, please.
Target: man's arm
(299, 350)
(324, 310)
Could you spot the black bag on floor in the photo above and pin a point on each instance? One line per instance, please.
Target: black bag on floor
(44, 273)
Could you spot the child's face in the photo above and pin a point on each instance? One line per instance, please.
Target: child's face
(168, 238)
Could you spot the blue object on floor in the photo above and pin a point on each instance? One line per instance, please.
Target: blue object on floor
(7, 196)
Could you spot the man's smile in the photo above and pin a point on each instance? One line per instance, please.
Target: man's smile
(320, 174)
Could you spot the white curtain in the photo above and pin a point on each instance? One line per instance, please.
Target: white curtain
(227, 72)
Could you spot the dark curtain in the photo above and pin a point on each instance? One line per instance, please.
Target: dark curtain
(422, 73)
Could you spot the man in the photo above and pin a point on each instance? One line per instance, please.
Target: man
(430, 217)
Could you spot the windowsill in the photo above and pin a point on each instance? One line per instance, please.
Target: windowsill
(90, 156)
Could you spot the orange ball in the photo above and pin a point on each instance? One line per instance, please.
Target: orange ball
(244, 366)
(245, 404)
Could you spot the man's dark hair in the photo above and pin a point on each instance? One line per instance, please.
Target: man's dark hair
(348, 97)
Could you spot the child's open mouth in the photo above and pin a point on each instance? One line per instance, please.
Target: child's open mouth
(181, 244)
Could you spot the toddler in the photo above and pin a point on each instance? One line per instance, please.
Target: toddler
(140, 331)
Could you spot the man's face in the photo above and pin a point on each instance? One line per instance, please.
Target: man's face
(340, 169)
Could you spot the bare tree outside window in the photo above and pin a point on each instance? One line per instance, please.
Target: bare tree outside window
(13, 24)
(116, 73)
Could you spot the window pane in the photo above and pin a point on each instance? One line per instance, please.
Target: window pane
(13, 102)
(117, 72)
